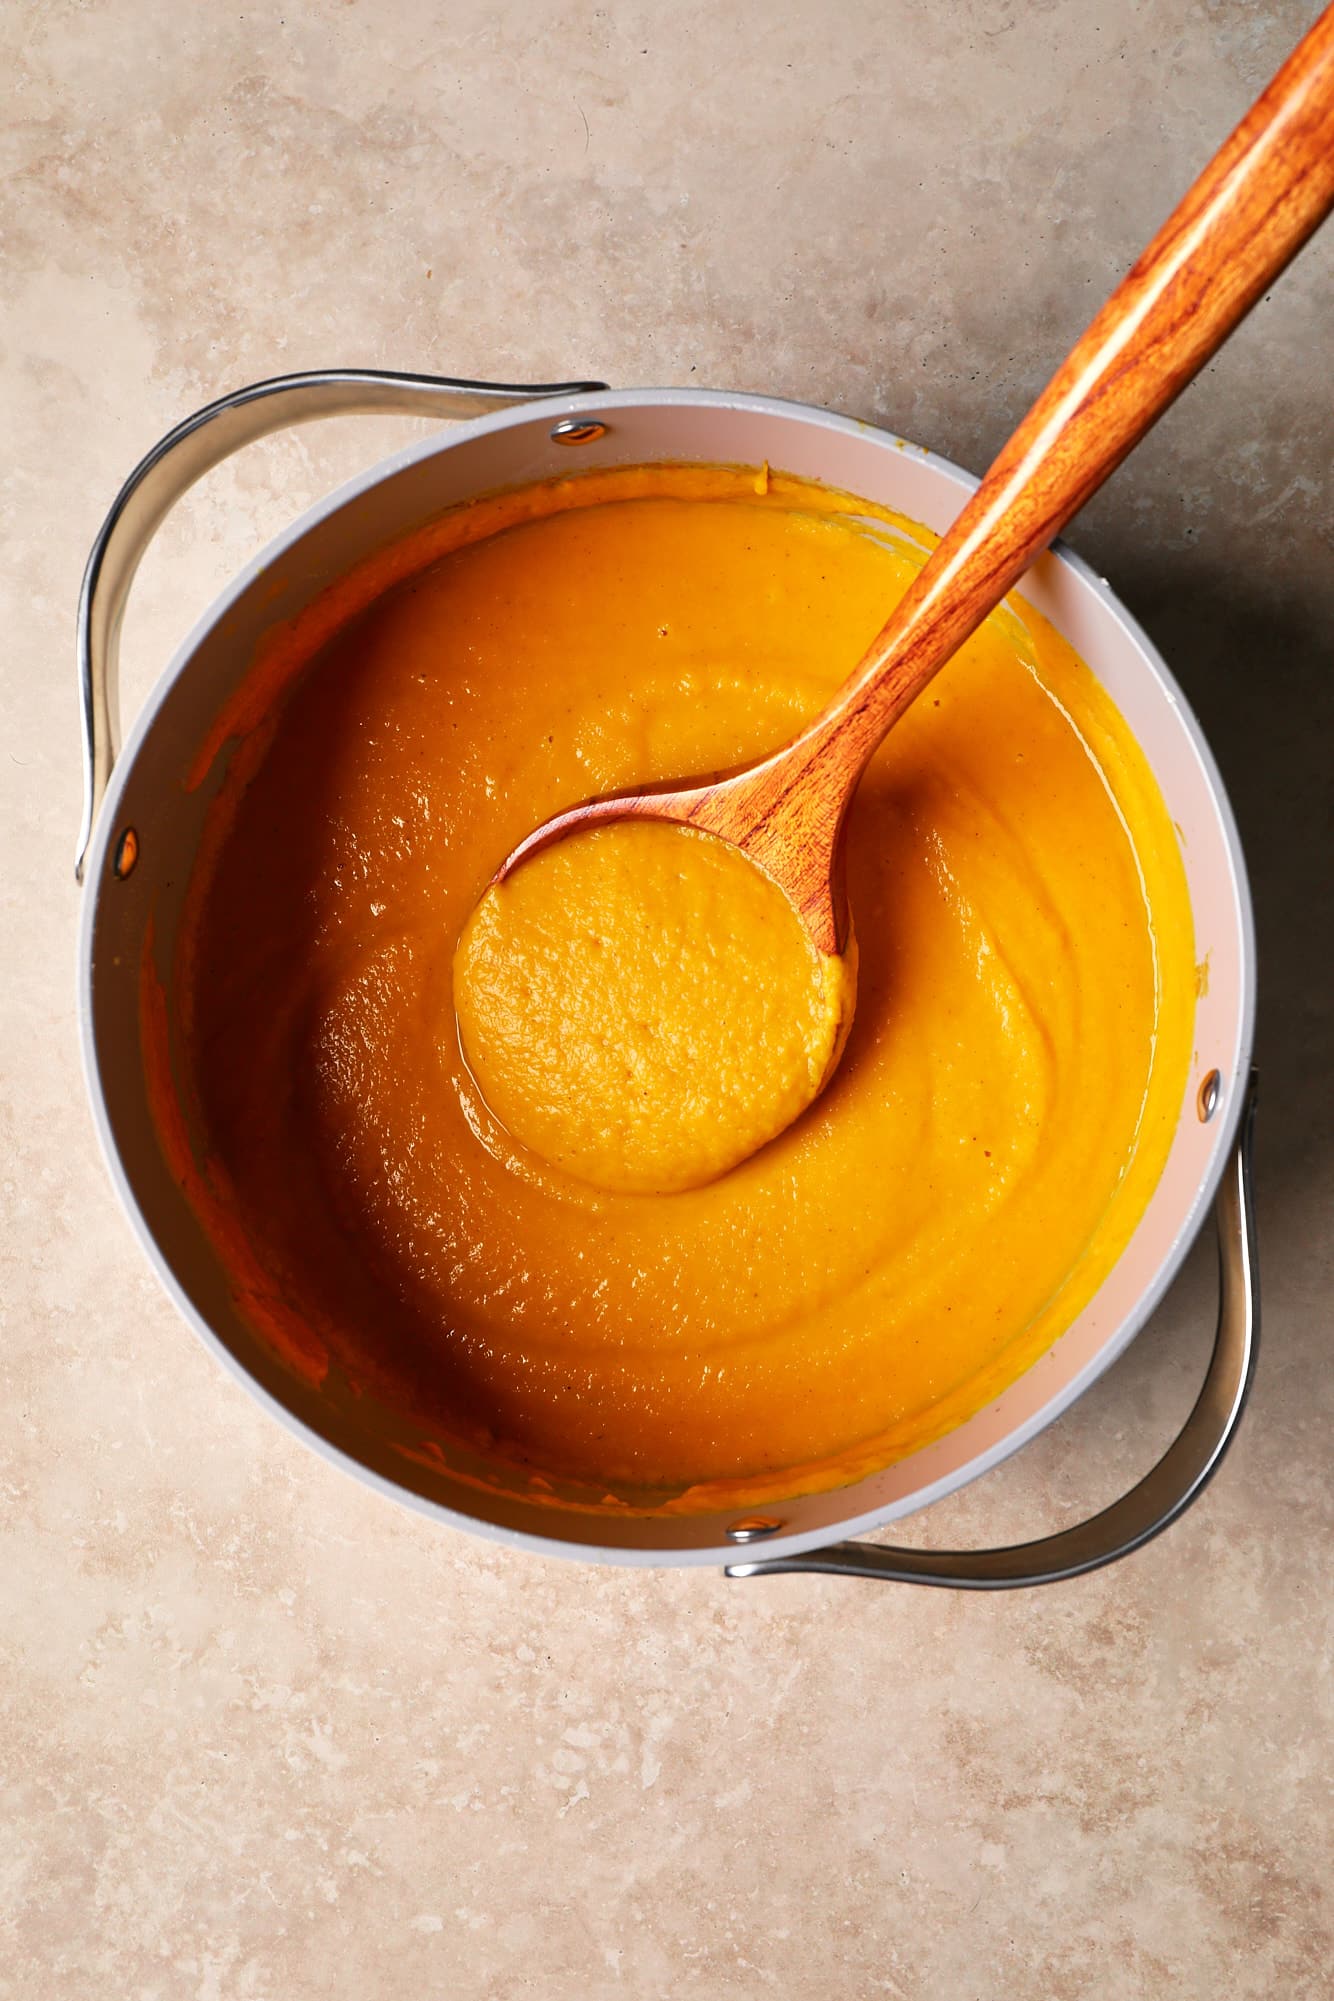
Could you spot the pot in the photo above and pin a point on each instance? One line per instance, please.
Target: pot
(142, 826)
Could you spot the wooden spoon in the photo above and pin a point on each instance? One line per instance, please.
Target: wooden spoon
(1245, 218)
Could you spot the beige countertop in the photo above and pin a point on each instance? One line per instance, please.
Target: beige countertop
(263, 1735)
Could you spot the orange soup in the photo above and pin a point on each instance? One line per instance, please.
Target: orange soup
(890, 1261)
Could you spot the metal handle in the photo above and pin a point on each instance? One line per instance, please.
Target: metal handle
(1177, 1480)
(185, 455)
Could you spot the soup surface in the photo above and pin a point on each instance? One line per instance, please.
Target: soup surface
(884, 1266)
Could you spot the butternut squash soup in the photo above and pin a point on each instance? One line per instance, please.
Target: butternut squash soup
(488, 1229)
(644, 1008)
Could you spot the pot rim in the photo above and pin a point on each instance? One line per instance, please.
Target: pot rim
(549, 411)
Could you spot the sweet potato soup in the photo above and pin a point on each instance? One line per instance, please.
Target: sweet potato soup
(886, 1264)
(644, 1008)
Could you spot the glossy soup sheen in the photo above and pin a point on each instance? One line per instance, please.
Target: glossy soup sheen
(917, 1239)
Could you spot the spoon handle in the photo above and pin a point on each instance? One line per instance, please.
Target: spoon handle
(1249, 213)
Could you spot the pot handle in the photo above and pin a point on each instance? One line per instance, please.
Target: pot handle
(1177, 1480)
(196, 445)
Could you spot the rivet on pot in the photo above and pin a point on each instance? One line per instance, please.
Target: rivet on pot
(1211, 1091)
(126, 855)
(753, 1528)
(577, 431)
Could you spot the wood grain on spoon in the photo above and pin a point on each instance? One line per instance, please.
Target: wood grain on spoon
(1249, 213)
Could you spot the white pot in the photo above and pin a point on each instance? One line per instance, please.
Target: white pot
(529, 435)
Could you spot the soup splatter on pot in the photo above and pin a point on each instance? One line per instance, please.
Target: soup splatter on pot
(881, 1268)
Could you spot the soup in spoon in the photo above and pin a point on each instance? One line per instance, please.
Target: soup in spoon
(644, 1008)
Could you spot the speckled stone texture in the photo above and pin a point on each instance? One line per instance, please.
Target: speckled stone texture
(267, 1737)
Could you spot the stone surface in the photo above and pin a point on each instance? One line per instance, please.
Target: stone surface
(265, 1735)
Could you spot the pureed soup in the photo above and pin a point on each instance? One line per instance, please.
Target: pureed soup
(893, 1259)
(643, 1007)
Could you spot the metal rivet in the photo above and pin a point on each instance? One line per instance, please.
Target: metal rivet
(753, 1528)
(577, 431)
(1211, 1091)
(126, 855)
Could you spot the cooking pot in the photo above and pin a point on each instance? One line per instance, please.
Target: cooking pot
(142, 826)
